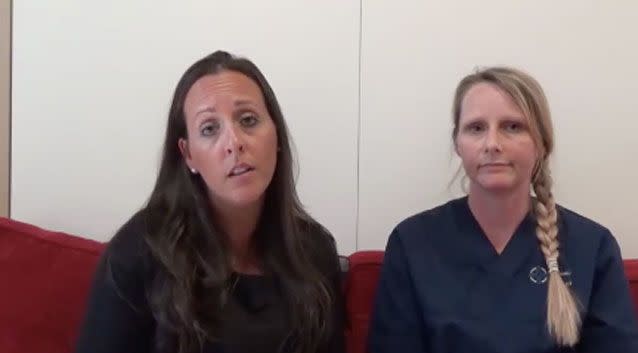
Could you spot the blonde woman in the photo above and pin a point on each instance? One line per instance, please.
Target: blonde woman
(504, 269)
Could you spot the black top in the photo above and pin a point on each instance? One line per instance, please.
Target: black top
(443, 287)
(119, 318)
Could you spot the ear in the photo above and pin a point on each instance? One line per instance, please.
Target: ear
(182, 143)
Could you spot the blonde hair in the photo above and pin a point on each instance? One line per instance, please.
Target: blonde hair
(563, 317)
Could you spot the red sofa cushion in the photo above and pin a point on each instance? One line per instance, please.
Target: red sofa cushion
(360, 286)
(631, 271)
(45, 278)
(362, 283)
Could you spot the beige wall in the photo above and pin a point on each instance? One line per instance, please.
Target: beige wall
(578, 50)
(5, 99)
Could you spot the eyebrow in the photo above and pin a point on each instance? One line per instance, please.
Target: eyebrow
(502, 118)
(241, 102)
(473, 119)
(206, 110)
(237, 103)
(514, 118)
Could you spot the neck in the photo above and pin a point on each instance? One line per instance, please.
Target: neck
(499, 214)
(238, 225)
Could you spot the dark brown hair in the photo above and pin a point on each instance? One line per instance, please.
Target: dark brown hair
(188, 292)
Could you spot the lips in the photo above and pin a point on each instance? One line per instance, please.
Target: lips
(495, 164)
(240, 169)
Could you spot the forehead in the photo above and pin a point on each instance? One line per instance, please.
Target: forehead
(486, 100)
(231, 86)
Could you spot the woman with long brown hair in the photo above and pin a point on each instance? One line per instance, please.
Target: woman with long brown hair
(223, 257)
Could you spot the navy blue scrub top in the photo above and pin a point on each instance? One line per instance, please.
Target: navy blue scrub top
(444, 288)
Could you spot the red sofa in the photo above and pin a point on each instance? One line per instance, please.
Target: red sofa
(45, 277)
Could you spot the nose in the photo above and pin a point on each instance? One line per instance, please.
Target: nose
(234, 141)
(493, 141)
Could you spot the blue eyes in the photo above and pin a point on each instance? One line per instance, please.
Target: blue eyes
(475, 128)
(513, 127)
(509, 127)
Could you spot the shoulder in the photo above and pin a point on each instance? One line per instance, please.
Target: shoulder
(128, 252)
(124, 270)
(586, 241)
(317, 235)
(579, 228)
(320, 245)
(578, 222)
(426, 224)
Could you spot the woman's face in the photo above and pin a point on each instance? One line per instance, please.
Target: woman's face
(494, 141)
(231, 139)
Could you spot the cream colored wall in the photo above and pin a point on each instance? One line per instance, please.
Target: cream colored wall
(583, 52)
(367, 92)
(5, 98)
(92, 83)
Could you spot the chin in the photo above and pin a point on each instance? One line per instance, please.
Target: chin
(246, 197)
(497, 185)
(499, 189)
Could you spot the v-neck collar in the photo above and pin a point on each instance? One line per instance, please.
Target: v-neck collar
(479, 250)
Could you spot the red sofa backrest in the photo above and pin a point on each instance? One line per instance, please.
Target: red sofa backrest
(360, 288)
(361, 283)
(631, 271)
(45, 277)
